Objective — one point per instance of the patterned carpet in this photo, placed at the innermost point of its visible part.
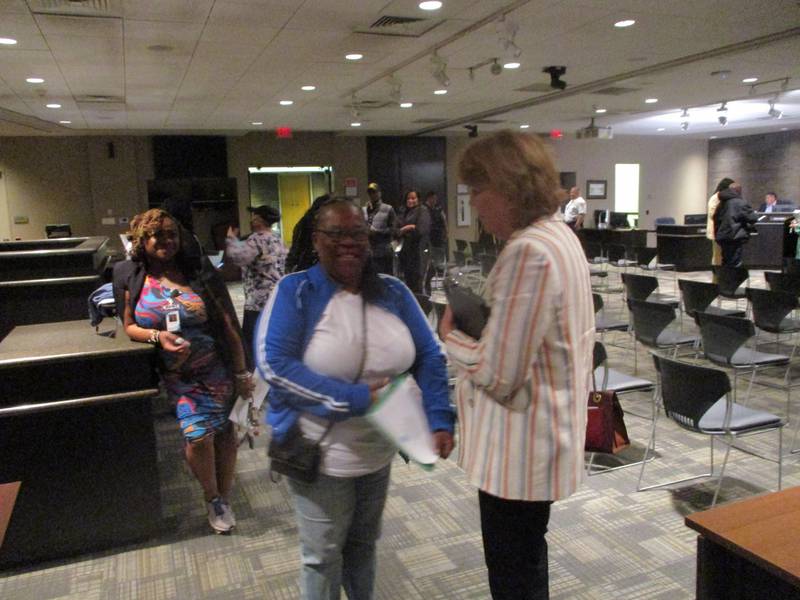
(607, 541)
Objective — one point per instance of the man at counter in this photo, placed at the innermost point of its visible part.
(575, 210)
(770, 203)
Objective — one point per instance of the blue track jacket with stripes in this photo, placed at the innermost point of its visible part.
(285, 328)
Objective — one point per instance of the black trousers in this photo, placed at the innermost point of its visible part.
(732, 252)
(515, 547)
(384, 264)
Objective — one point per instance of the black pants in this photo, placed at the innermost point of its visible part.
(248, 330)
(514, 547)
(732, 252)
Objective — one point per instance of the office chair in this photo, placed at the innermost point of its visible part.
(698, 400)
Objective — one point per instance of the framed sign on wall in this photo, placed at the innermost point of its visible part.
(595, 189)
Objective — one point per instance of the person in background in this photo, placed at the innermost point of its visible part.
(733, 221)
(164, 299)
(302, 255)
(438, 236)
(262, 257)
(522, 387)
(713, 203)
(770, 203)
(328, 339)
(382, 222)
(415, 228)
(575, 210)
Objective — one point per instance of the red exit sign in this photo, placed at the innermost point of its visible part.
(283, 132)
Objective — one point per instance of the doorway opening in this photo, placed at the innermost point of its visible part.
(290, 190)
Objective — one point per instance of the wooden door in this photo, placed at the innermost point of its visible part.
(294, 192)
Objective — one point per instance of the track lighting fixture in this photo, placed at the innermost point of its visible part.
(439, 69)
(774, 112)
(685, 125)
(555, 77)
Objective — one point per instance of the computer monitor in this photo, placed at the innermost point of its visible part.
(696, 219)
(619, 220)
(58, 230)
(599, 217)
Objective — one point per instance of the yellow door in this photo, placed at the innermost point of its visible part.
(294, 192)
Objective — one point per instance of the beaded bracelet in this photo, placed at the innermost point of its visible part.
(154, 337)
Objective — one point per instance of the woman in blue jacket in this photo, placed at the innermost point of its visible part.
(328, 339)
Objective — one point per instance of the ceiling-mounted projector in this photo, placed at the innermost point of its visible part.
(592, 132)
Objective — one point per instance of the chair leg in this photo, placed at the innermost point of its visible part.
(722, 471)
(750, 386)
(651, 443)
(780, 458)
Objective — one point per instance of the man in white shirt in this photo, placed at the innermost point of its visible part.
(575, 211)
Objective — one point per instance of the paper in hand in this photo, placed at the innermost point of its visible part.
(399, 415)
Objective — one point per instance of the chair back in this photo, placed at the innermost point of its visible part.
(592, 250)
(617, 252)
(783, 282)
(665, 221)
(639, 287)
(644, 255)
(697, 295)
(487, 263)
(600, 355)
(461, 245)
(597, 300)
(729, 279)
(475, 249)
(649, 320)
(459, 257)
(723, 336)
(770, 308)
(688, 391)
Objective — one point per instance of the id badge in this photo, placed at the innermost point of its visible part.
(173, 317)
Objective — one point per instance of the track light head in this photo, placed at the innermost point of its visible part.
(774, 112)
(723, 120)
(495, 69)
(473, 130)
(685, 125)
(555, 77)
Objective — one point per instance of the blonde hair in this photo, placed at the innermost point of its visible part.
(518, 166)
(143, 226)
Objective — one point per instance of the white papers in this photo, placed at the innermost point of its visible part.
(399, 415)
(240, 413)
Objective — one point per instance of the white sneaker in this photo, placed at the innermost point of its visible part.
(220, 519)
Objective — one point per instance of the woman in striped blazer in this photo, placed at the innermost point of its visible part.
(522, 386)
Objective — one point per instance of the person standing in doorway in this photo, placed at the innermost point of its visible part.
(262, 257)
(575, 210)
(382, 222)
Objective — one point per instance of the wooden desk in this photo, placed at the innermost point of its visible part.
(750, 549)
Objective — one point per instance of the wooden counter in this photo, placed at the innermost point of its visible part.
(750, 549)
(76, 431)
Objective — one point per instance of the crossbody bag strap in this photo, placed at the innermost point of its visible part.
(363, 359)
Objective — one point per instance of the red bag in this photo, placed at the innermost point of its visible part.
(605, 426)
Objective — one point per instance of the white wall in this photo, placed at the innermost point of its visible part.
(672, 177)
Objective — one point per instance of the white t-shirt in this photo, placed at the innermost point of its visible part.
(354, 447)
(575, 207)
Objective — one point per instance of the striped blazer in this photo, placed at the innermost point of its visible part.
(522, 388)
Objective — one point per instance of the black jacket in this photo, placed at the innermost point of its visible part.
(734, 219)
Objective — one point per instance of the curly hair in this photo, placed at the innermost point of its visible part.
(518, 166)
(143, 226)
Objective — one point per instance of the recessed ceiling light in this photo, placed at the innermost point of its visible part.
(440, 92)
(354, 56)
(430, 5)
(524, 126)
(355, 124)
(286, 102)
(406, 104)
(660, 129)
(7, 41)
(624, 23)
(35, 80)
(308, 88)
(511, 65)
(749, 79)
(65, 122)
(651, 100)
(713, 137)
(257, 123)
(784, 129)
(53, 105)
(600, 111)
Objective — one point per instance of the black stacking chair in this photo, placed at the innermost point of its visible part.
(730, 280)
(771, 312)
(606, 379)
(782, 282)
(643, 287)
(651, 328)
(602, 323)
(621, 256)
(461, 245)
(698, 399)
(698, 296)
(424, 303)
(724, 344)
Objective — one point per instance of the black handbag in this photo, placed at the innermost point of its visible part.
(297, 457)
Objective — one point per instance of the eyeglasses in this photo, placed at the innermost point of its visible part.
(338, 235)
(163, 234)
